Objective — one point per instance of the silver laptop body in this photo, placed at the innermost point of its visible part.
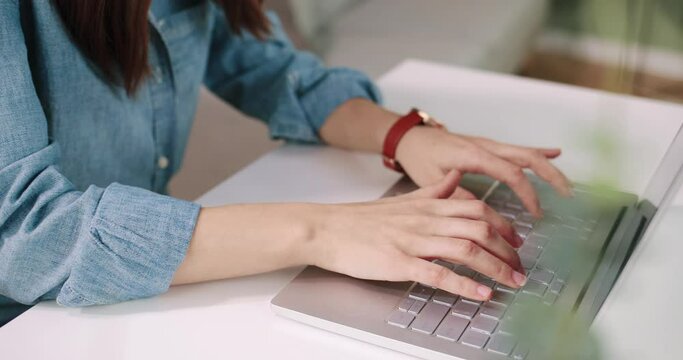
(606, 225)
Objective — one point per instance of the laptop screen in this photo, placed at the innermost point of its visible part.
(662, 182)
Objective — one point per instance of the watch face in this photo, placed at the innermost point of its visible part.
(429, 120)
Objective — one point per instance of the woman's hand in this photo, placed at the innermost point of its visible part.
(389, 239)
(393, 238)
(428, 153)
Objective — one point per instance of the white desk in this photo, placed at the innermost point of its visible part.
(232, 319)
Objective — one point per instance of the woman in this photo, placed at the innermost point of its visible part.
(97, 99)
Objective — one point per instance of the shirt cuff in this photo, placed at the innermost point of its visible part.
(337, 87)
(136, 241)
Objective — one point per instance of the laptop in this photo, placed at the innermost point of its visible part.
(573, 257)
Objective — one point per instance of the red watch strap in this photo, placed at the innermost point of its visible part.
(394, 136)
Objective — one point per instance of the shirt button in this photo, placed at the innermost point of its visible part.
(162, 162)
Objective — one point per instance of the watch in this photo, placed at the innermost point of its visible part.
(414, 118)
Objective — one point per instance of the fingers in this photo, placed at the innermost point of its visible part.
(462, 194)
(474, 210)
(550, 153)
(427, 176)
(469, 253)
(481, 233)
(546, 171)
(443, 278)
(537, 160)
(439, 190)
(510, 174)
(534, 158)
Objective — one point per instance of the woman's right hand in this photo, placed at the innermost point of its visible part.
(393, 238)
(388, 239)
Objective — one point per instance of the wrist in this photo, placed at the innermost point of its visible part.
(306, 227)
(238, 240)
(358, 124)
(415, 138)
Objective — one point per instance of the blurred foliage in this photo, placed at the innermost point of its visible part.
(674, 10)
(550, 330)
(621, 20)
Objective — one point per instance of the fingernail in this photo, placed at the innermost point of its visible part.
(484, 291)
(520, 269)
(518, 278)
(518, 240)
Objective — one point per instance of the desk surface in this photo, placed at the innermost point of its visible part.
(223, 318)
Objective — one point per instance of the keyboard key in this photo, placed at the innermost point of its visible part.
(474, 338)
(547, 262)
(569, 228)
(558, 247)
(465, 309)
(484, 280)
(529, 251)
(505, 327)
(542, 276)
(471, 301)
(509, 216)
(520, 352)
(526, 217)
(501, 344)
(492, 310)
(421, 292)
(514, 206)
(549, 298)
(527, 261)
(464, 271)
(443, 263)
(429, 318)
(444, 297)
(562, 275)
(400, 318)
(523, 231)
(534, 288)
(535, 240)
(546, 229)
(502, 297)
(556, 286)
(525, 300)
(416, 307)
(406, 304)
(484, 324)
(527, 225)
(451, 328)
(506, 289)
(573, 222)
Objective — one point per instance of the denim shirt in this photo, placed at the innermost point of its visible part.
(83, 166)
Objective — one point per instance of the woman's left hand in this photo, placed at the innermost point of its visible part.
(428, 153)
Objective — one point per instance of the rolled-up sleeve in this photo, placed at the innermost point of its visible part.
(290, 90)
(98, 246)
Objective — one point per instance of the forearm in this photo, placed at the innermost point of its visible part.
(358, 124)
(238, 240)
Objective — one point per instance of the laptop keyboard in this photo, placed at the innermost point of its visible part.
(487, 325)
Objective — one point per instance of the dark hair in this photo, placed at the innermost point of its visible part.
(114, 34)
